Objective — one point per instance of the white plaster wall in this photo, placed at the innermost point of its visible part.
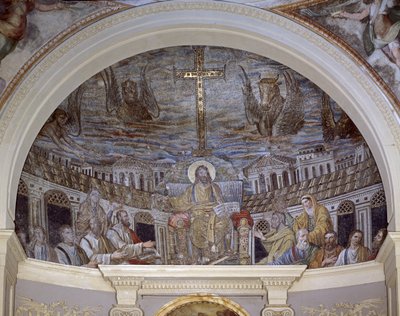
(329, 298)
(73, 297)
(160, 285)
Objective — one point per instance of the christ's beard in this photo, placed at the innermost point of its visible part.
(303, 245)
(376, 244)
(204, 180)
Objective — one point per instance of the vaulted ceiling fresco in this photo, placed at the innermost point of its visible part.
(200, 155)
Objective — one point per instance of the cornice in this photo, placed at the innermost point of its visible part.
(57, 274)
(11, 252)
(166, 287)
(126, 281)
(350, 275)
(168, 280)
(173, 272)
(278, 281)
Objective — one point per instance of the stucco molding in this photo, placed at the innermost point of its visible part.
(120, 310)
(222, 286)
(167, 280)
(350, 275)
(277, 289)
(389, 256)
(126, 281)
(280, 310)
(284, 282)
(56, 274)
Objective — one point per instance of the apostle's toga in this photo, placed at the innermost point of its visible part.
(350, 256)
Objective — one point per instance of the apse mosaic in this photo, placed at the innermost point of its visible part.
(200, 156)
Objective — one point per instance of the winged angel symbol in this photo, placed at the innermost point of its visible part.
(65, 124)
(274, 115)
(336, 129)
(131, 104)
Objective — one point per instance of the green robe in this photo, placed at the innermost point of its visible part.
(277, 243)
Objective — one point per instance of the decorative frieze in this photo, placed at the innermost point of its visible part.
(31, 307)
(214, 285)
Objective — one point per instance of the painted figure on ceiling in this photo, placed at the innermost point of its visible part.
(226, 312)
(13, 23)
(382, 29)
(274, 115)
(135, 103)
(315, 218)
(355, 252)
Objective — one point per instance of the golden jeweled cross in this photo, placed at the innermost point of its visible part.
(199, 74)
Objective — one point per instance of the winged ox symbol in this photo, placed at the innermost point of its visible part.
(274, 115)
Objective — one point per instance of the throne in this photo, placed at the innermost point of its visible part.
(182, 232)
